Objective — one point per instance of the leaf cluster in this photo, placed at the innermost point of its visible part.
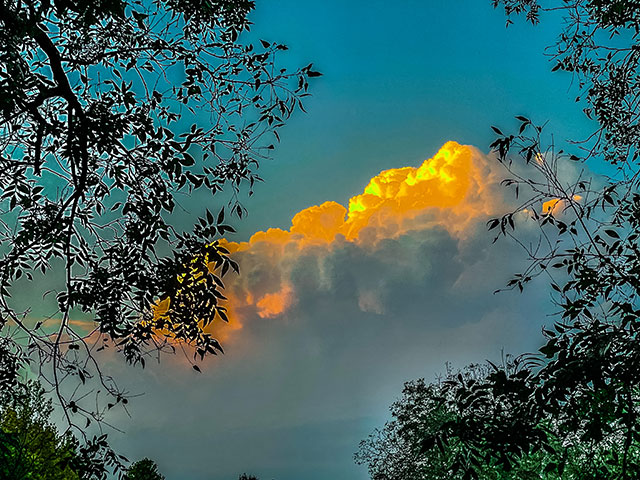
(570, 409)
(32, 447)
(111, 112)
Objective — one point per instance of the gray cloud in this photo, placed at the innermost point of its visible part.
(303, 380)
(295, 393)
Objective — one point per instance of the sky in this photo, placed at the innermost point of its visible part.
(328, 322)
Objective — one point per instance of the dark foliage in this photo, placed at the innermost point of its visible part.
(109, 112)
(599, 47)
(575, 403)
(144, 469)
(411, 446)
(582, 387)
(32, 447)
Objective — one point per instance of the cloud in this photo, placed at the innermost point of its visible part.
(330, 317)
(394, 234)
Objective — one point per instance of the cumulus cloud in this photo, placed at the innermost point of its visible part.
(399, 235)
(331, 316)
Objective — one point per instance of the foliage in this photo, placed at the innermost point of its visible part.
(599, 46)
(574, 405)
(244, 476)
(581, 389)
(144, 469)
(410, 447)
(394, 452)
(32, 448)
(109, 112)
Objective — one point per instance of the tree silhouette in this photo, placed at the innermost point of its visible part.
(577, 399)
(402, 449)
(109, 112)
(144, 469)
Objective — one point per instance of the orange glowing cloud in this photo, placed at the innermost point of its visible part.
(456, 186)
(455, 179)
(556, 205)
(551, 206)
(273, 304)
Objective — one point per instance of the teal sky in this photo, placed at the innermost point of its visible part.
(293, 397)
(399, 81)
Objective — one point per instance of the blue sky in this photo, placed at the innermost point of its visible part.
(398, 82)
(293, 395)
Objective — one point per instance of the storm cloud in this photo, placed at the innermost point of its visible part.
(328, 323)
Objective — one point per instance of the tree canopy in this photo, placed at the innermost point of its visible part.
(144, 469)
(576, 401)
(405, 448)
(110, 112)
(31, 446)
